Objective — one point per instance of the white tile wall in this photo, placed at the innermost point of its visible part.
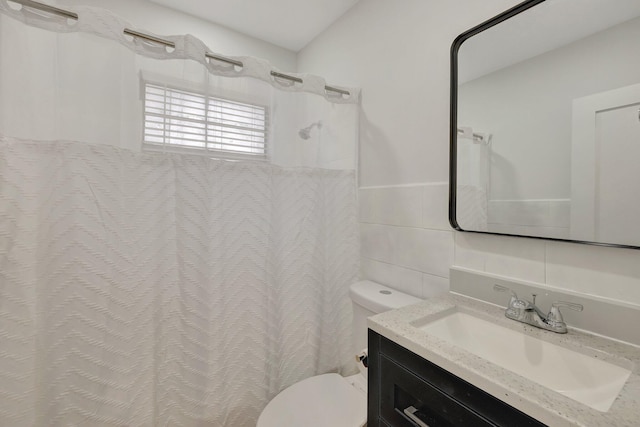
(406, 239)
(429, 251)
(506, 256)
(611, 273)
(595, 270)
(408, 244)
(377, 243)
(435, 206)
(392, 205)
(400, 278)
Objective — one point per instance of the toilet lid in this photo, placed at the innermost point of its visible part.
(323, 401)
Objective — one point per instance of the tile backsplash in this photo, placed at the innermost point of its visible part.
(408, 244)
(599, 315)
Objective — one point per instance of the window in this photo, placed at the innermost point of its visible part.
(177, 119)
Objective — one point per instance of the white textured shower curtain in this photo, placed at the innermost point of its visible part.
(472, 184)
(165, 290)
(147, 289)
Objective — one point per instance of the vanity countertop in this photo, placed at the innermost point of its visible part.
(529, 397)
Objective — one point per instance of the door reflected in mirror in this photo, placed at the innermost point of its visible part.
(546, 129)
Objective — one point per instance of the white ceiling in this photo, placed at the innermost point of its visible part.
(290, 24)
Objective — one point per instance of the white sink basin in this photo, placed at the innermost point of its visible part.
(588, 380)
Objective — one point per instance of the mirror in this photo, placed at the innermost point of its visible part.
(545, 123)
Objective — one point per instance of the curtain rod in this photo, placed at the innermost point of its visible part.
(46, 8)
(154, 39)
(232, 61)
(273, 73)
(479, 137)
(286, 77)
(148, 37)
(223, 59)
(299, 80)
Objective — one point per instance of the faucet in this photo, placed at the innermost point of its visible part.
(527, 312)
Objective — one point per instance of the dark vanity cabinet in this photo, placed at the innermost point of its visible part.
(408, 390)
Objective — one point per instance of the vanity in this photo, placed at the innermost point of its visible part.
(424, 370)
(410, 388)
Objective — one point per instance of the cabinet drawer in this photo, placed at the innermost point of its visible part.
(401, 389)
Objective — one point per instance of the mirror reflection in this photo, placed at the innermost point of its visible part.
(548, 124)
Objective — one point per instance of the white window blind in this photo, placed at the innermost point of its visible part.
(182, 120)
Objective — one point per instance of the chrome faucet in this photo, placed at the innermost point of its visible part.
(527, 312)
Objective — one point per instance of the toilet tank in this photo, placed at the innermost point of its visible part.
(369, 298)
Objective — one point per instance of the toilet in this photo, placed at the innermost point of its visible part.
(331, 400)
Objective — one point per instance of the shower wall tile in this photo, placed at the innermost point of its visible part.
(502, 255)
(376, 242)
(394, 276)
(429, 251)
(435, 206)
(400, 206)
(406, 240)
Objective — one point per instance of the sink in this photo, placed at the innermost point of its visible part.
(583, 378)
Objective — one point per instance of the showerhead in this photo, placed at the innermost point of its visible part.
(306, 132)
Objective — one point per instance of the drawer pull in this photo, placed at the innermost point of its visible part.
(410, 412)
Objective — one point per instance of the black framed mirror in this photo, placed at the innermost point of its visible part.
(545, 123)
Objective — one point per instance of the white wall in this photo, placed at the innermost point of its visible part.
(398, 52)
(164, 21)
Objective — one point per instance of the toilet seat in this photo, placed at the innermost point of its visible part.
(322, 401)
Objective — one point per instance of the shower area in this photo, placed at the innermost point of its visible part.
(178, 227)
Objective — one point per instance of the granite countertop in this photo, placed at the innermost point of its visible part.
(547, 406)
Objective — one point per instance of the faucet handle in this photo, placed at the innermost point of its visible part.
(514, 302)
(556, 316)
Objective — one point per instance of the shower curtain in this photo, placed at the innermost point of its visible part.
(148, 288)
(473, 184)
